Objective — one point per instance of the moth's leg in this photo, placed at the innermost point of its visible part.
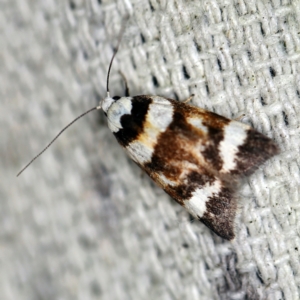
(239, 118)
(126, 84)
(188, 99)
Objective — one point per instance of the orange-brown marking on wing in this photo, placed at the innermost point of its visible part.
(181, 153)
(183, 147)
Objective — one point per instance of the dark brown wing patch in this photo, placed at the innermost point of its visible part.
(256, 149)
(220, 214)
(133, 123)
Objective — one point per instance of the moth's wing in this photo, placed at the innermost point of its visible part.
(172, 148)
(192, 154)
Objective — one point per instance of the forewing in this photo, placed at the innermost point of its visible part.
(193, 154)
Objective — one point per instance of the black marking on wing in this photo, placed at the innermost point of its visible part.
(211, 151)
(256, 149)
(220, 213)
(133, 123)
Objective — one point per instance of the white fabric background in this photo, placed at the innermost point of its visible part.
(83, 222)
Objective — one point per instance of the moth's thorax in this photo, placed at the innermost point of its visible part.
(115, 108)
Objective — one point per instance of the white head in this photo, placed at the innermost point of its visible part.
(114, 108)
(106, 103)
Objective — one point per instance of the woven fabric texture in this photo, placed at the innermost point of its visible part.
(83, 222)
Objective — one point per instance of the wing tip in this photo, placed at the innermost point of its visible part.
(255, 151)
(220, 214)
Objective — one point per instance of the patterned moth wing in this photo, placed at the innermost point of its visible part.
(193, 154)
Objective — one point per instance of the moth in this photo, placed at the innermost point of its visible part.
(194, 155)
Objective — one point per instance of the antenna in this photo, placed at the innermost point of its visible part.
(94, 108)
(115, 52)
(56, 137)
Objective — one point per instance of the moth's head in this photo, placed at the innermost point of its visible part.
(115, 109)
(106, 103)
